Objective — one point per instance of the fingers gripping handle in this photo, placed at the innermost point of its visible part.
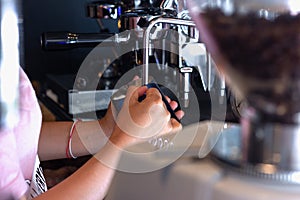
(154, 85)
(118, 101)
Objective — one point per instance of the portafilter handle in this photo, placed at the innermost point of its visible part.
(63, 40)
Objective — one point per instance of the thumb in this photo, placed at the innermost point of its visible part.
(135, 92)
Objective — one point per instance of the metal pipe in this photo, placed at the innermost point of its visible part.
(145, 69)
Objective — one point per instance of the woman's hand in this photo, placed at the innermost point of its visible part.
(138, 121)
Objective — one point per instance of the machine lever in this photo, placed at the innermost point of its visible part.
(67, 40)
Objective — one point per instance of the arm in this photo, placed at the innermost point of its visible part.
(93, 179)
(54, 137)
(92, 135)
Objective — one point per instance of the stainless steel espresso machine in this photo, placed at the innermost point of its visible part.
(155, 40)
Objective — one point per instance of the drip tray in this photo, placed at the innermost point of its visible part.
(59, 89)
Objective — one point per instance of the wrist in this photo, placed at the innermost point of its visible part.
(121, 138)
(107, 123)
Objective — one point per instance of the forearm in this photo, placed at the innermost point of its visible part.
(88, 138)
(53, 140)
(93, 179)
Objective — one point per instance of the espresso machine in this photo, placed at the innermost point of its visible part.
(156, 40)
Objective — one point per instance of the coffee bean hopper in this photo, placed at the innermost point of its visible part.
(255, 44)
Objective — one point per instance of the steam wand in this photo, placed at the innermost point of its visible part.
(145, 70)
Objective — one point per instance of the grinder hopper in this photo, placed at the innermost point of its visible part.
(256, 45)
